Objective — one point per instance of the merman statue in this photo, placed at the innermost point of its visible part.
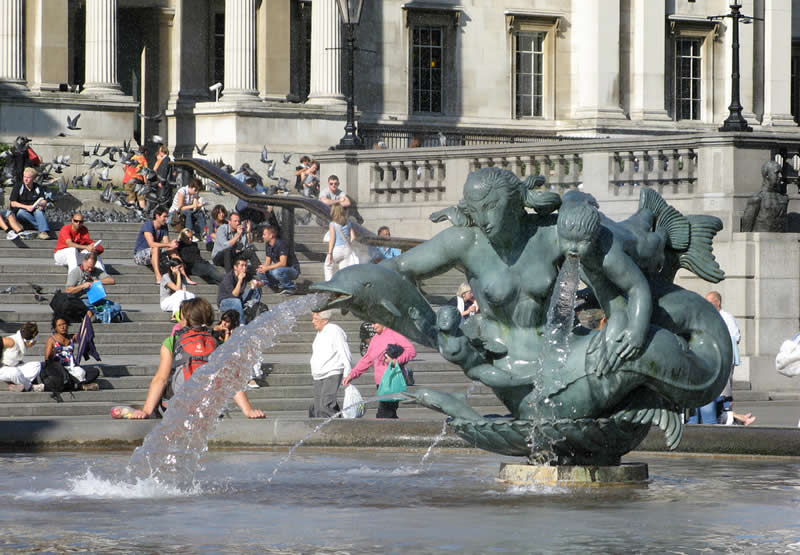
(662, 349)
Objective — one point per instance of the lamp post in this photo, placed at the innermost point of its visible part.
(350, 10)
(735, 121)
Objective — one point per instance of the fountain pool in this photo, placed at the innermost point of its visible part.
(381, 501)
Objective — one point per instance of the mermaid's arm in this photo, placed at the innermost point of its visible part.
(435, 256)
(623, 272)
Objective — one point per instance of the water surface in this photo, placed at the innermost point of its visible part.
(372, 501)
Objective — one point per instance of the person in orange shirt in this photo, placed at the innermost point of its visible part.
(133, 177)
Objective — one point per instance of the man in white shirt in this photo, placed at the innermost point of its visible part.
(713, 412)
(330, 358)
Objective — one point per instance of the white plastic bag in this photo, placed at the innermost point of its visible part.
(787, 362)
(354, 406)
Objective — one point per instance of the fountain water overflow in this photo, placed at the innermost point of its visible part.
(171, 451)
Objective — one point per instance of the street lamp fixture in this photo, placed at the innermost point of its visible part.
(735, 120)
(350, 10)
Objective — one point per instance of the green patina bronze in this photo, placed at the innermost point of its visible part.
(663, 349)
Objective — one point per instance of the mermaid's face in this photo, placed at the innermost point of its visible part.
(487, 207)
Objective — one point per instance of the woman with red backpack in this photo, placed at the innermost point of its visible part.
(197, 315)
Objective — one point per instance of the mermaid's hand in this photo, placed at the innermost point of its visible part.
(628, 344)
(596, 355)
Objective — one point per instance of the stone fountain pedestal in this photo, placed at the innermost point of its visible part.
(625, 474)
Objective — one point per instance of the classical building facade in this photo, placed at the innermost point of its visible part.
(472, 70)
(604, 95)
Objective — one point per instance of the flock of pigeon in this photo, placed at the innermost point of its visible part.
(104, 159)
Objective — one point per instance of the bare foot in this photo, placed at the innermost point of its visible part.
(158, 280)
(190, 282)
(748, 419)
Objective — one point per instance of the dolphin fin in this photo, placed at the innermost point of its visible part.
(391, 308)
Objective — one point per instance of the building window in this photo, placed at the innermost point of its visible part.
(529, 74)
(688, 78)
(219, 48)
(427, 49)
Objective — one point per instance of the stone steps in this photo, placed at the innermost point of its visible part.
(130, 350)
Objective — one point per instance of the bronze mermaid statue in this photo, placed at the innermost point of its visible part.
(664, 348)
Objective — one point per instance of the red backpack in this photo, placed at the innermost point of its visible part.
(191, 350)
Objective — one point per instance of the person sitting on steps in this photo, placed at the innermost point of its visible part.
(18, 374)
(74, 242)
(28, 200)
(231, 243)
(152, 241)
(60, 347)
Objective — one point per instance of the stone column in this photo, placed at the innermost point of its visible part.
(326, 54)
(101, 48)
(240, 50)
(777, 62)
(647, 74)
(12, 44)
(596, 45)
(47, 38)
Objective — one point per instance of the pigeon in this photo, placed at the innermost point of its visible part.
(201, 151)
(106, 195)
(106, 150)
(5, 154)
(104, 174)
(86, 180)
(85, 153)
(39, 298)
(156, 118)
(8, 290)
(287, 157)
(72, 123)
(96, 150)
(211, 187)
(442, 139)
(271, 171)
(158, 139)
(282, 182)
(62, 186)
(264, 156)
(36, 288)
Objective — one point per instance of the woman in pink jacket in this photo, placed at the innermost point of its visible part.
(377, 358)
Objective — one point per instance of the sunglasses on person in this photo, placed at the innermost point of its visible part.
(77, 221)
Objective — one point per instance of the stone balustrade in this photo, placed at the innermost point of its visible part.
(709, 173)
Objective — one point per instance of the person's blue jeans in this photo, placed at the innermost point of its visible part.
(282, 277)
(196, 221)
(35, 219)
(237, 304)
(707, 414)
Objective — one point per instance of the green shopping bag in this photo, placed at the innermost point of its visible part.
(392, 383)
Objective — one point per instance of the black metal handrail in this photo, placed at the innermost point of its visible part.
(317, 208)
